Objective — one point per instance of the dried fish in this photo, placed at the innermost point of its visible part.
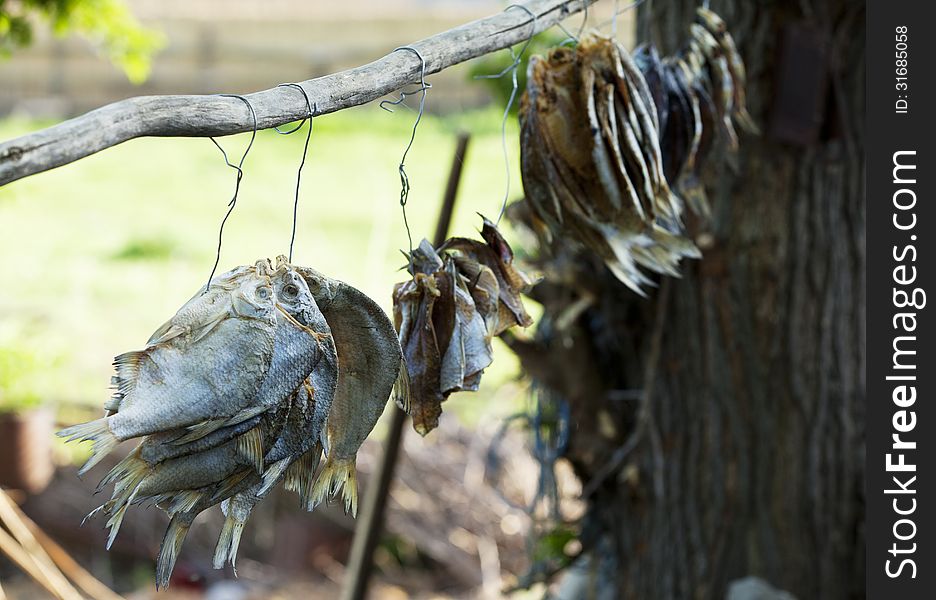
(592, 161)
(176, 381)
(424, 315)
(461, 295)
(303, 352)
(370, 370)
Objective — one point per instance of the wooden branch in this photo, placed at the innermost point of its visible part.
(88, 583)
(31, 547)
(24, 561)
(201, 115)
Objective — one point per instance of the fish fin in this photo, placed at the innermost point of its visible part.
(300, 476)
(246, 414)
(128, 476)
(184, 501)
(744, 119)
(272, 476)
(98, 433)
(113, 523)
(402, 393)
(130, 468)
(325, 441)
(693, 191)
(250, 447)
(205, 328)
(91, 514)
(168, 331)
(675, 244)
(224, 542)
(112, 404)
(169, 550)
(224, 488)
(127, 368)
(337, 475)
(200, 430)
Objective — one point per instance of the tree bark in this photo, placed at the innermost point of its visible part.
(750, 459)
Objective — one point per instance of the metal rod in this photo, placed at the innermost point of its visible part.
(370, 526)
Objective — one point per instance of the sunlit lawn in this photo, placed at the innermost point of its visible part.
(97, 254)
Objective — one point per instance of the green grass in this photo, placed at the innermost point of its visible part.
(99, 253)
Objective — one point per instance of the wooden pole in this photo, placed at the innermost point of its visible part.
(370, 526)
(216, 115)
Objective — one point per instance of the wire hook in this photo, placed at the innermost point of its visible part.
(512, 69)
(305, 151)
(404, 178)
(240, 175)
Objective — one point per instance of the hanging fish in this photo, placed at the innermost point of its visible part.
(303, 352)
(177, 380)
(424, 317)
(475, 259)
(371, 368)
(461, 295)
(591, 160)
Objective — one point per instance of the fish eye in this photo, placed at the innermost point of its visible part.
(263, 292)
(291, 290)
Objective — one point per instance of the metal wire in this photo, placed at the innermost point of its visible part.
(404, 178)
(305, 151)
(574, 38)
(613, 20)
(240, 175)
(512, 69)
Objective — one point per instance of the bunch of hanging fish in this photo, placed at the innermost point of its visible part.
(461, 295)
(611, 144)
(253, 379)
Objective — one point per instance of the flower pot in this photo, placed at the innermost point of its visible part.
(26, 450)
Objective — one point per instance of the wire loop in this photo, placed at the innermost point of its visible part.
(240, 175)
(404, 178)
(305, 150)
(512, 69)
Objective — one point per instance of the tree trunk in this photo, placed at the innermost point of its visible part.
(750, 457)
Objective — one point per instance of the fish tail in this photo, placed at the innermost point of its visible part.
(402, 394)
(228, 542)
(124, 492)
(337, 475)
(98, 433)
(169, 549)
(127, 473)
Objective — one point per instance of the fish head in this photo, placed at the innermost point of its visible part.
(294, 297)
(425, 258)
(323, 289)
(254, 298)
